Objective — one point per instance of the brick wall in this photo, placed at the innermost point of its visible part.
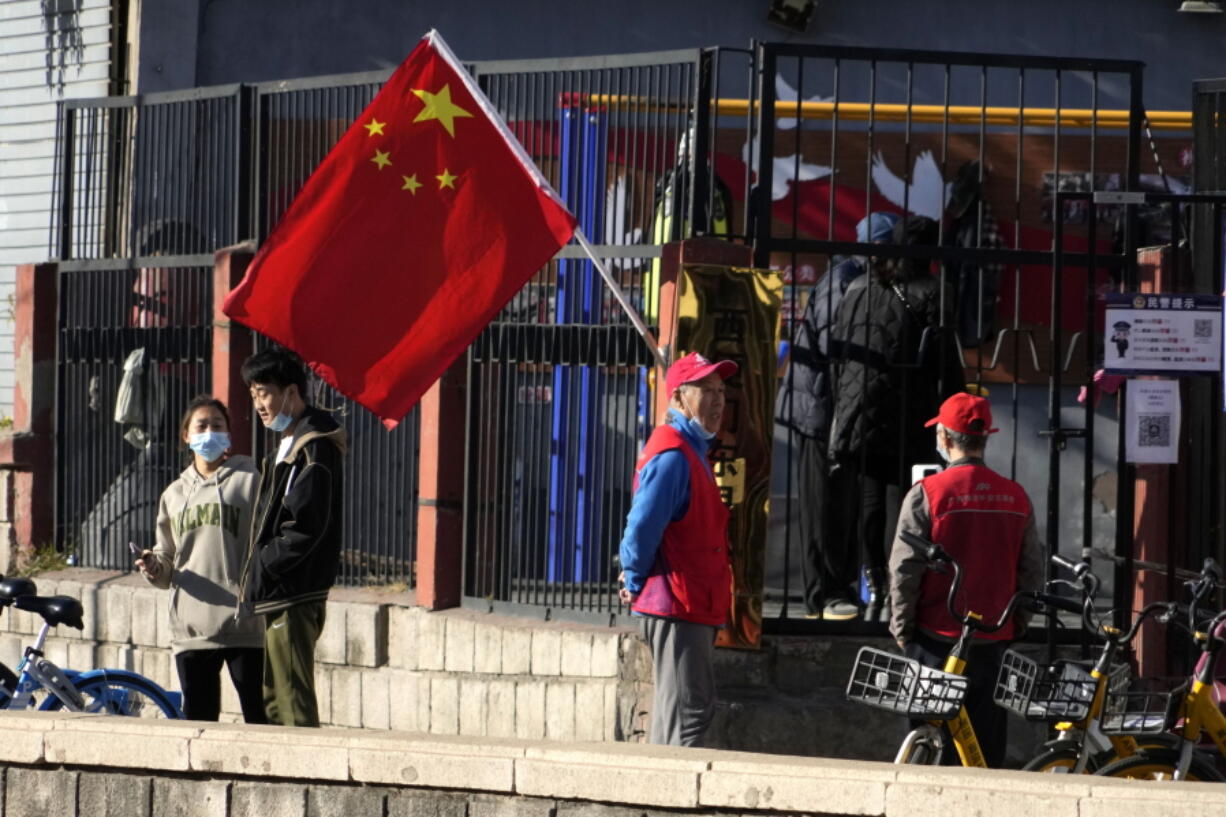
(384, 664)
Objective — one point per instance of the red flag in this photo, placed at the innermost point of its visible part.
(415, 230)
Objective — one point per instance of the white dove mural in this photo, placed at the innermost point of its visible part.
(787, 170)
(786, 93)
(926, 195)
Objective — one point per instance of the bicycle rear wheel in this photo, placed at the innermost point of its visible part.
(124, 694)
(1159, 764)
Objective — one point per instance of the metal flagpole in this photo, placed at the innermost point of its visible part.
(635, 317)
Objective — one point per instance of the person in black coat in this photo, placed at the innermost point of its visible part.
(895, 363)
(829, 558)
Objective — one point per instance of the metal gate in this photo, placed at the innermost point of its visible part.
(1022, 272)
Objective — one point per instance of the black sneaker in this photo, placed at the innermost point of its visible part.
(840, 610)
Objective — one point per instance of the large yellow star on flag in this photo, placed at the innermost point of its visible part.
(446, 180)
(439, 106)
(411, 184)
(374, 127)
(382, 158)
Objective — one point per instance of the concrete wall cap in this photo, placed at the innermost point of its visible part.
(621, 755)
(410, 742)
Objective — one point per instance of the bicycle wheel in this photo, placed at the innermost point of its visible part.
(922, 754)
(122, 694)
(1145, 743)
(1058, 760)
(1159, 764)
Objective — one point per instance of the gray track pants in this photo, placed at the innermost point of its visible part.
(684, 700)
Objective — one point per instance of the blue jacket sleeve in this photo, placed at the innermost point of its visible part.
(663, 496)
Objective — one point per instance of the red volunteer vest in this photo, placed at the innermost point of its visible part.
(691, 579)
(979, 517)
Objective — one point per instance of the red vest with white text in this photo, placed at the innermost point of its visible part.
(979, 517)
(691, 579)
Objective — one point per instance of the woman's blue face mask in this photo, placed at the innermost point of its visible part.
(210, 445)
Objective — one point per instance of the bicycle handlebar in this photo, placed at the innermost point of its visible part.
(1060, 603)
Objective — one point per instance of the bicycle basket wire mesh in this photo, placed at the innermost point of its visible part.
(1144, 711)
(1062, 691)
(903, 685)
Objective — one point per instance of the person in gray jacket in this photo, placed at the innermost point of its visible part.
(203, 524)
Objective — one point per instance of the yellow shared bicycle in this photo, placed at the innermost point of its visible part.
(1071, 694)
(903, 685)
(1192, 709)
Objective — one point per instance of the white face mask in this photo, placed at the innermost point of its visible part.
(696, 426)
(282, 420)
(942, 452)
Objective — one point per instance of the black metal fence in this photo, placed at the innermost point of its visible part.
(784, 146)
(142, 187)
(560, 396)
(982, 144)
(148, 188)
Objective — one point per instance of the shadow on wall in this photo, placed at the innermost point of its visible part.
(62, 35)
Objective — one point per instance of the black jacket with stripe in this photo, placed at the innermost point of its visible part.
(296, 528)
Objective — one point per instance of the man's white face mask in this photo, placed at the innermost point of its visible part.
(942, 451)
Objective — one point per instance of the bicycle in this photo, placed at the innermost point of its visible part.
(107, 691)
(902, 685)
(1072, 697)
(1188, 710)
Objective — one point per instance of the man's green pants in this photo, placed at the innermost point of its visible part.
(289, 664)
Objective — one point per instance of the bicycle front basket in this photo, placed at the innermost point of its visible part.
(1140, 712)
(905, 686)
(1060, 692)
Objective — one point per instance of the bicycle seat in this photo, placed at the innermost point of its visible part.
(55, 610)
(12, 588)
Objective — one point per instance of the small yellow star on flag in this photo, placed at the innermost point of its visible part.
(382, 158)
(374, 127)
(446, 180)
(439, 106)
(411, 184)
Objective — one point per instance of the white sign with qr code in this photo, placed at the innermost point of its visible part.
(1152, 421)
(1162, 334)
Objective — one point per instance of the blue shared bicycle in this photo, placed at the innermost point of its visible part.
(39, 684)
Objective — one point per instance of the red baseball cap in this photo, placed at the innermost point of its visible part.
(695, 367)
(962, 411)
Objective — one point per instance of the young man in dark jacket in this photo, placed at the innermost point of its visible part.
(295, 535)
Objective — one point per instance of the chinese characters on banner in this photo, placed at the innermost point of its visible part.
(1151, 430)
(733, 313)
(1162, 334)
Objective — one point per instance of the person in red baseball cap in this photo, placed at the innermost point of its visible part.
(985, 521)
(674, 555)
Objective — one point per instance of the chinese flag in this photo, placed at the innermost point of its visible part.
(415, 230)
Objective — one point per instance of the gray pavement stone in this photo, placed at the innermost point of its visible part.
(268, 800)
(39, 792)
(114, 795)
(174, 797)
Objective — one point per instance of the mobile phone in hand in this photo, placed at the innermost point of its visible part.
(135, 550)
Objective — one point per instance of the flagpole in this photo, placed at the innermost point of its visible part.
(631, 312)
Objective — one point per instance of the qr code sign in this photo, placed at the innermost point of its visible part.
(1154, 430)
(1202, 328)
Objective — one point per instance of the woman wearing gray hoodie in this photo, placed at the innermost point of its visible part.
(204, 520)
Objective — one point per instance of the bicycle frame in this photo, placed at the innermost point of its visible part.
(961, 732)
(31, 678)
(1094, 740)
